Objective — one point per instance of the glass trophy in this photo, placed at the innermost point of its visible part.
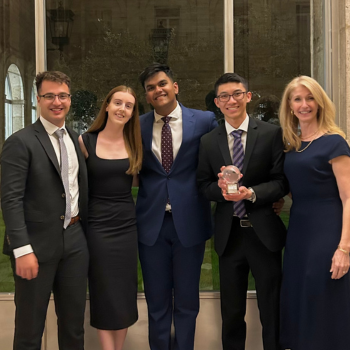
(232, 175)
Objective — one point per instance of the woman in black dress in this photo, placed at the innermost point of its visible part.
(315, 296)
(113, 151)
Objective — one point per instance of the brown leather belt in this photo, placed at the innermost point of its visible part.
(74, 220)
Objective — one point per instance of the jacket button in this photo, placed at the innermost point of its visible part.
(62, 217)
(63, 195)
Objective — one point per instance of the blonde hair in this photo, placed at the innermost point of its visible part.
(131, 131)
(325, 114)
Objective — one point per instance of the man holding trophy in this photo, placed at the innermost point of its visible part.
(248, 155)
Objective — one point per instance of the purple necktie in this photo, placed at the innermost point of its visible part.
(238, 159)
(166, 145)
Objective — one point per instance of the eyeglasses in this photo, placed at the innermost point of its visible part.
(50, 97)
(236, 95)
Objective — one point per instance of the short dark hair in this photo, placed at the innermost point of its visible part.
(153, 69)
(55, 76)
(230, 78)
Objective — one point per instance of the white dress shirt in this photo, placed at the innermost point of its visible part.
(230, 141)
(175, 124)
(230, 138)
(73, 170)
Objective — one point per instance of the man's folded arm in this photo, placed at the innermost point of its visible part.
(207, 180)
(277, 187)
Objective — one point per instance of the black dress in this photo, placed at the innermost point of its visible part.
(315, 309)
(112, 241)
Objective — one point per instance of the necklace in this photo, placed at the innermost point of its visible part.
(308, 137)
(306, 147)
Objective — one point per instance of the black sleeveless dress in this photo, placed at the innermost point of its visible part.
(112, 241)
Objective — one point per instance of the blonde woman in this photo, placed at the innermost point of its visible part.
(315, 296)
(113, 152)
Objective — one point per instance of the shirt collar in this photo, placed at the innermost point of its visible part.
(176, 114)
(243, 126)
(51, 128)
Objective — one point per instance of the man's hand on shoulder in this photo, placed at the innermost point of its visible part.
(27, 266)
(278, 206)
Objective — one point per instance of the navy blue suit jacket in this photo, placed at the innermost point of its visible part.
(190, 210)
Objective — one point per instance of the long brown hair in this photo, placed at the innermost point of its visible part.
(131, 131)
(325, 115)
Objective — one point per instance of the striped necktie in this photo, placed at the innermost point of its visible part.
(237, 160)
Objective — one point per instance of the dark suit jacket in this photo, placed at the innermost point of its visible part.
(262, 170)
(32, 192)
(190, 210)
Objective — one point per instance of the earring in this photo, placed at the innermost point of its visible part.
(291, 112)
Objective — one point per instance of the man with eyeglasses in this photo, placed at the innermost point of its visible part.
(44, 206)
(249, 236)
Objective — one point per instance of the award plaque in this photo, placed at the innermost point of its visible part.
(232, 175)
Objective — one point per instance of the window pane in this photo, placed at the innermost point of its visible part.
(15, 120)
(103, 46)
(34, 102)
(271, 46)
(111, 42)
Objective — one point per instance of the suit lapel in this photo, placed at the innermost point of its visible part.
(250, 143)
(147, 130)
(188, 124)
(223, 144)
(147, 136)
(45, 141)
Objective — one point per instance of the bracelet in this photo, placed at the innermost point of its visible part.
(343, 250)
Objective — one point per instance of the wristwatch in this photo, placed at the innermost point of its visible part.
(252, 198)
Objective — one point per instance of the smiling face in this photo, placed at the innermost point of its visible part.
(161, 93)
(303, 104)
(233, 110)
(54, 111)
(120, 108)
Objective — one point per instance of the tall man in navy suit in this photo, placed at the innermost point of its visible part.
(174, 220)
(44, 204)
(248, 234)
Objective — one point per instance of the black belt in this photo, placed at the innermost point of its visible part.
(244, 222)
